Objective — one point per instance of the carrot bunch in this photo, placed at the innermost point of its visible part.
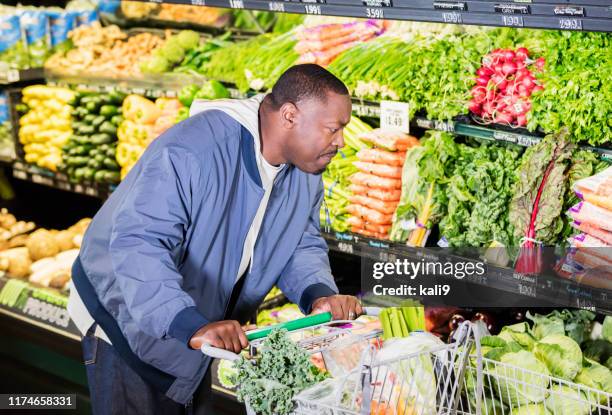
(376, 187)
(321, 44)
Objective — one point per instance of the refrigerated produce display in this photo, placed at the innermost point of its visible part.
(481, 135)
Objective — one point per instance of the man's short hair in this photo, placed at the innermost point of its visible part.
(305, 81)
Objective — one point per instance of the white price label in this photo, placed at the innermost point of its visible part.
(90, 191)
(451, 17)
(528, 290)
(513, 21)
(198, 2)
(78, 188)
(139, 91)
(63, 186)
(38, 179)
(570, 24)
(395, 116)
(374, 13)
(20, 174)
(275, 6)
(345, 247)
(236, 4)
(12, 75)
(312, 9)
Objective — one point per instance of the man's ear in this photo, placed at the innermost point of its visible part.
(288, 115)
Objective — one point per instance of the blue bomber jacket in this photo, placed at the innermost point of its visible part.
(160, 258)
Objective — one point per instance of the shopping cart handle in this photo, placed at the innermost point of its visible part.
(218, 353)
(371, 311)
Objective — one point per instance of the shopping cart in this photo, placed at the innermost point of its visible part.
(426, 382)
(494, 388)
(315, 334)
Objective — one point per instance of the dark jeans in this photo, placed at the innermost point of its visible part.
(115, 389)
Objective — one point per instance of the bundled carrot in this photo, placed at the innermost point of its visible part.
(369, 215)
(368, 233)
(321, 44)
(387, 207)
(378, 156)
(359, 223)
(380, 194)
(381, 170)
(376, 182)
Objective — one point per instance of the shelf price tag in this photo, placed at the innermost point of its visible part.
(236, 4)
(346, 247)
(375, 13)
(312, 9)
(513, 21)
(12, 75)
(38, 179)
(198, 2)
(275, 6)
(566, 23)
(395, 116)
(20, 174)
(451, 17)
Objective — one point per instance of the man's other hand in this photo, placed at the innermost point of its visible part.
(225, 334)
(342, 307)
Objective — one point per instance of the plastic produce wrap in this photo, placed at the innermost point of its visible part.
(62, 22)
(7, 146)
(13, 50)
(35, 24)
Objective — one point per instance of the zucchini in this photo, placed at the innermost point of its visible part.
(117, 119)
(101, 138)
(77, 161)
(92, 107)
(99, 176)
(111, 164)
(86, 129)
(116, 97)
(89, 173)
(112, 176)
(109, 110)
(108, 128)
(98, 120)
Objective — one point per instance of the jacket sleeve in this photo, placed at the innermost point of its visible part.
(307, 276)
(147, 234)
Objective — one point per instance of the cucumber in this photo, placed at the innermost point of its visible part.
(92, 163)
(101, 138)
(111, 164)
(77, 161)
(98, 120)
(99, 158)
(86, 129)
(99, 176)
(112, 176)
(109, 111)
(111, 152)
(79, 173)
(89, 118)
(116, 97)
(89, 173)
(117, 119)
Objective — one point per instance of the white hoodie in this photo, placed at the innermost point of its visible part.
(246, 112)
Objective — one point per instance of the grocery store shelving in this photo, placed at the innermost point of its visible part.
(538, 289)
(13, 76)
(37, 175)
(587, 15)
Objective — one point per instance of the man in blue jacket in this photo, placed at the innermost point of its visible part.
(218, 210)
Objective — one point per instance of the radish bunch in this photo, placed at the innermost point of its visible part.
(504, 84)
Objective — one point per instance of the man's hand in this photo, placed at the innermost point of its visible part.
(225, 334)
(342, 307)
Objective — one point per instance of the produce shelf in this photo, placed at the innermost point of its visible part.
(536, 290)
(587, 15)
(153, 86)
(60, 181)
(463, 125)
(14, 76)
(42, 307)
